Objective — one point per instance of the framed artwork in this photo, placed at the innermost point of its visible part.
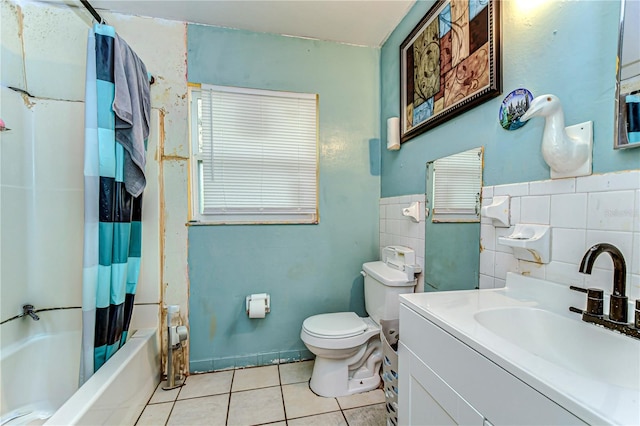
(449, 63)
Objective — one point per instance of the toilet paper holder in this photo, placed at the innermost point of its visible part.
(264, 296)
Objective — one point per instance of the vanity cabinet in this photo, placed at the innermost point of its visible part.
(442, 381)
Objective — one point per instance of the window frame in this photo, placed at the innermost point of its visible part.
(447, 209)
(196, 187)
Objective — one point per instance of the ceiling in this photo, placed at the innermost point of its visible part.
(360, 22)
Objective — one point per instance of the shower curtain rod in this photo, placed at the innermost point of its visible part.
(101, 20)
(93, 12)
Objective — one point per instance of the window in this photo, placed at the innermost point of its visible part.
(457, 182)
(254, 156)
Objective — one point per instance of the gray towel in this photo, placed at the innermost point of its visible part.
(132, 106)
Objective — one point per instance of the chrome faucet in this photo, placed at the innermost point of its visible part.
(618, 300)
(28, 310)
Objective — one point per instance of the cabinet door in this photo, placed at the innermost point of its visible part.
(496, 393)
(425, 399)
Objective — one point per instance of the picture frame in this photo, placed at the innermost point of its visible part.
(449, 64)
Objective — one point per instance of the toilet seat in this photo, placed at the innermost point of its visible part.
(337, 325)
(341, 339)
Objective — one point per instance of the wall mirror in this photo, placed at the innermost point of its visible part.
(452, 222)
(627, 102)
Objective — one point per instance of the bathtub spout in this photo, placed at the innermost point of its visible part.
(28, 310)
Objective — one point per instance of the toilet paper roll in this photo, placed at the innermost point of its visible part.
(393, 134)
(256, 308)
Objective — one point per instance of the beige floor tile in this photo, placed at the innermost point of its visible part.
(208, 410)
(328, 419)
(295, 372)
(161, 395)
(255, 378)
(206, 384)
(375, 396)
(372, 415)
(256, 406)
(282, 423)
(155, 414)
(299, 401)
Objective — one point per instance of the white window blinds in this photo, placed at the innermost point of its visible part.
(257, 156)
(457, 182)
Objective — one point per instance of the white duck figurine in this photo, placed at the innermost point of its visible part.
(563, 153)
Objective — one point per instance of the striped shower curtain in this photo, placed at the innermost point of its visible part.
(112, 229)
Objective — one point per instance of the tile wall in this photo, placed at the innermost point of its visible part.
(399, 230)
(581, 212)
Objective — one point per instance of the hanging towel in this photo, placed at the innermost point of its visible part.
(132, 107)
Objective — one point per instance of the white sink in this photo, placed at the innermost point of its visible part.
(527, 329)
(586, 349)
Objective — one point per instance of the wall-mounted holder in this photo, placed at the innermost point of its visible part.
(258, 305)
(567, 150)
(498, 211)
(413, 211)
(393, 134)
(530, 242)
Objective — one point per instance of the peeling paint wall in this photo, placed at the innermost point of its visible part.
(43, 51)
(307, 269)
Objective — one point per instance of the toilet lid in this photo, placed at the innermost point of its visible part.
(334, 326)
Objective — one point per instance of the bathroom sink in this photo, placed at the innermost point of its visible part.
(526, 329)
(572, 344)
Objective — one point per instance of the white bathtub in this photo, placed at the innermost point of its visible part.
(39, 375)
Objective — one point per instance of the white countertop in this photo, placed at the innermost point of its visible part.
(582, 387)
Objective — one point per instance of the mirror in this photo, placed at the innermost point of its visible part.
(452, 222)
(627, 102)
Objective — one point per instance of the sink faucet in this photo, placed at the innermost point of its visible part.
(618, 300)
(28, 310)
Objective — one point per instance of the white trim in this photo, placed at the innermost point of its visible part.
(230, 214)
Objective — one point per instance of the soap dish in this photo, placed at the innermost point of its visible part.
(529, 242)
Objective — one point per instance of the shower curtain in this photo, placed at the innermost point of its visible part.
(113, 228)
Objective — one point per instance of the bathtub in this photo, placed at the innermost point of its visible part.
(39, 375)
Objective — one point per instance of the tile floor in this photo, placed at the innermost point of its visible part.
(275, 395)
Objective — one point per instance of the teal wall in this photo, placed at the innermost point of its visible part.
(307, 269)
(566, 48)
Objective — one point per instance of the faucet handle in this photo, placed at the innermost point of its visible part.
(595, 298)
(618, 306)
(637, 315)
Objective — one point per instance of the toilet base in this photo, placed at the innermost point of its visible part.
(359, 373)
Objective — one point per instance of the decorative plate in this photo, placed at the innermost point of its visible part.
(513, 107)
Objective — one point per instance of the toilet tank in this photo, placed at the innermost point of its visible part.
(385, 280)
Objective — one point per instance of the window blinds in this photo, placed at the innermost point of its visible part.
(457, 182)
(258, 154)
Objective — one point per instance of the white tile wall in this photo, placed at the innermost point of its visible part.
(532, 269)
(396, 229)
(636, 209)
(569, 211)
(611, 210)
(535, 209)
(582, 212)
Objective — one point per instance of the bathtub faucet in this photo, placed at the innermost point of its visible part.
(28, 310)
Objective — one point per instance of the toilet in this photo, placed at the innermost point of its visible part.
(347, 347)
